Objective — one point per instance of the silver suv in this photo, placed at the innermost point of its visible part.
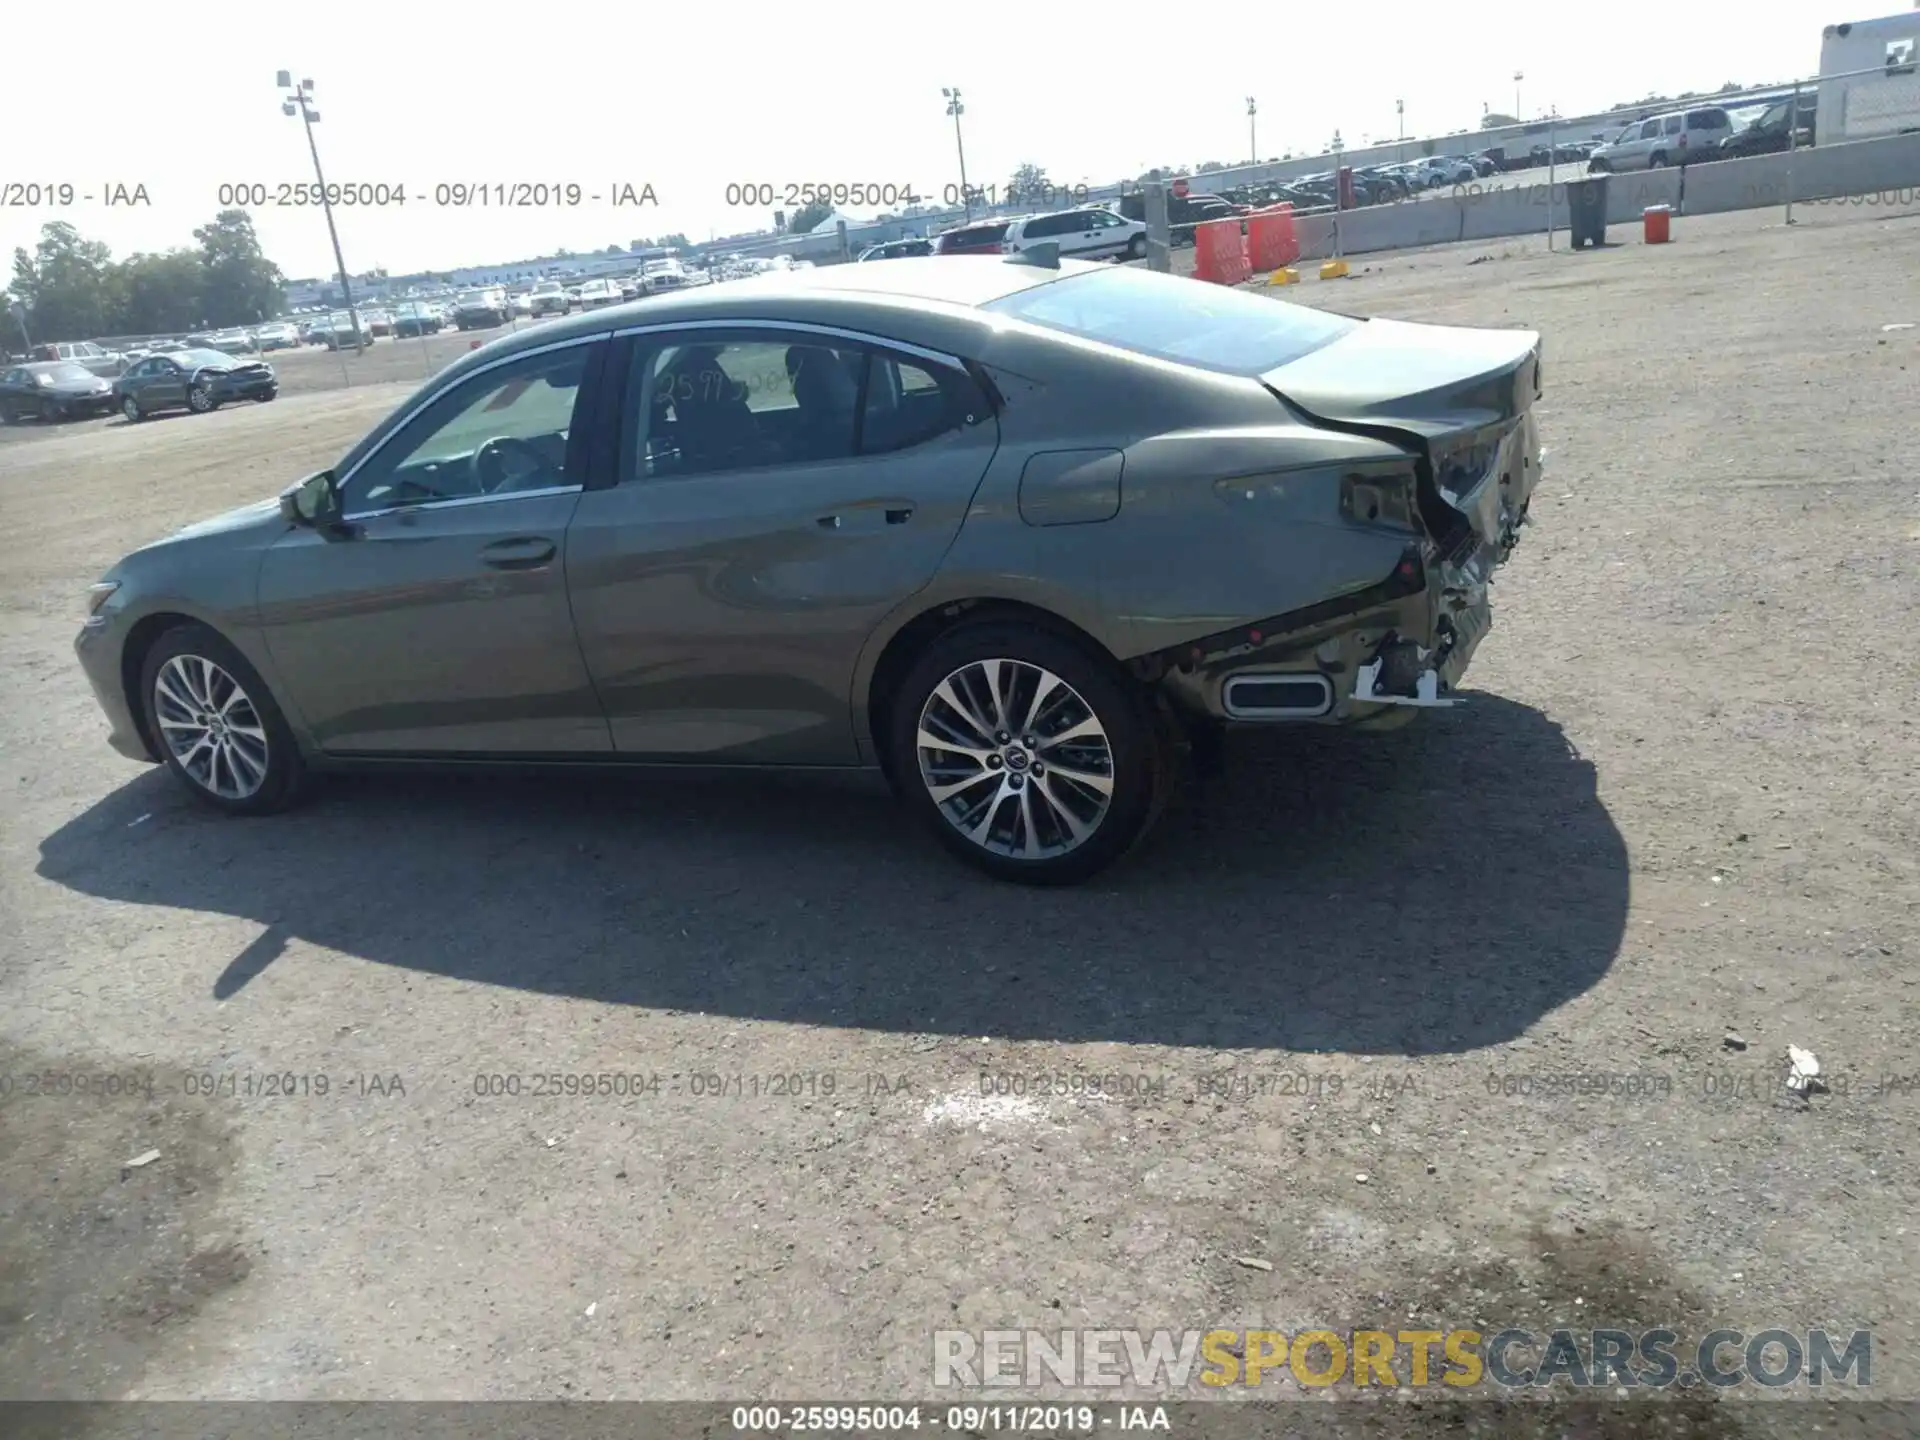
(1671, 139)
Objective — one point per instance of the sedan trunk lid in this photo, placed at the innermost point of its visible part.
(1460, 398)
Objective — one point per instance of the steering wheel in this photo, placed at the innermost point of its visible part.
(493, 467)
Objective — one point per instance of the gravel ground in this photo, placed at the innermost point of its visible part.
(1679, 804)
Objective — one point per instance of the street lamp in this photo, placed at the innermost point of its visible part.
(300, 102)
(1517, 78)
(1253, 140)
(1400, 113)
(956, 110)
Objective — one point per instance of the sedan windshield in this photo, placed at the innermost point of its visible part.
(1177, 319)
(66, 370)
(201, 357)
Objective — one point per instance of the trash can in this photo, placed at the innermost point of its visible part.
(1587, 211)
(1657, 221)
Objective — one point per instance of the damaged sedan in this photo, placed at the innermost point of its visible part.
(1012, 532)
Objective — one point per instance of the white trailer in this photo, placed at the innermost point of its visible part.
(1884, 101)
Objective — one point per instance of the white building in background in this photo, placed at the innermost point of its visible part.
(1884, 102)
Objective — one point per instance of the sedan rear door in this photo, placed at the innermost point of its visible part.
(755, 524)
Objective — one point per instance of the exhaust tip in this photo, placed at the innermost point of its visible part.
(1276, 697)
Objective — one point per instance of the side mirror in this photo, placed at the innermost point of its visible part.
(313, 502)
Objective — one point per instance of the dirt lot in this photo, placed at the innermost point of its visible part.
(1681, 803)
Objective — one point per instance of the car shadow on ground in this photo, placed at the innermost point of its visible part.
(1431, 890)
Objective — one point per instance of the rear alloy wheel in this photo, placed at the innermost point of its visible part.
(130, 408)
(200, 397)
(217, 728)
(1030, 759)
(50, 413)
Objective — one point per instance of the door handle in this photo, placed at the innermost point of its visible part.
(527, 553)
(864, 516)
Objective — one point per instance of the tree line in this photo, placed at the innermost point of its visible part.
(71, 288)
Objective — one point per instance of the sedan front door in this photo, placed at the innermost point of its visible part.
(760, 522)
(163, 387)
(435, 621)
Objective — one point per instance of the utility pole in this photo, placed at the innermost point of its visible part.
(956, 110)
(1400, 146)
(1253, 138)
(1517, 78)
(300, 102)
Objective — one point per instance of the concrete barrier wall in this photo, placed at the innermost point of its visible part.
(1885, 170)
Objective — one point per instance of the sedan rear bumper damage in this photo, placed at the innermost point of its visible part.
(1402, 643)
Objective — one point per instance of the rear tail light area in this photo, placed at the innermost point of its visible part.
(1390, 501)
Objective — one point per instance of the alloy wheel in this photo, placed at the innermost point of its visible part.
(1015, 759)
(130, 407)
(199, 398)
(211, 727)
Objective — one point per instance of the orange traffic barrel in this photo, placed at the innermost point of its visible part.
(1658, 220)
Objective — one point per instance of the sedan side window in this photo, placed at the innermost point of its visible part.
(501, 432)
(909, 403)
(704, 406)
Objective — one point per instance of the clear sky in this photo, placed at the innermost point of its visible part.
(687, 98)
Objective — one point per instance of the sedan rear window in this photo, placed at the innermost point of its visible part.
(1186, 321)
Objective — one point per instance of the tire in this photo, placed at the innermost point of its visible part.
(50, 413)
(1136, 247)
(200, 398)
(130, 408)
(1078, 830)
(1657, 160)
(256, 768)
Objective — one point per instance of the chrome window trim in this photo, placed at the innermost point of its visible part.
(462, 501)
(414, 414)
(862, 337)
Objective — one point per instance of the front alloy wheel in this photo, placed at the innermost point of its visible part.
(130, 408)
(211, 727)
(216, 726)
(199, 398)
(1031, 759)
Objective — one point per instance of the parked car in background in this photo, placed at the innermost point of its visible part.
(99, 360)
(378, 321)
(415, 319)
(481, 309)
(980, 237)
(1769, 132)
(598, 294)
(1675, 138)
(53, 390)
(337, 332)
(196, 380)
(1091, 232)
(1313, 504)
(281, 335)
(897, 249)
(659, 276)
(232, 342)
(521, 303)
(549, 297)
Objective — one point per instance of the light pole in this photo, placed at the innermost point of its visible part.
(1253, 137)
(1400, 113)
(956, 110)
(300, 102)
(1517, 78)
